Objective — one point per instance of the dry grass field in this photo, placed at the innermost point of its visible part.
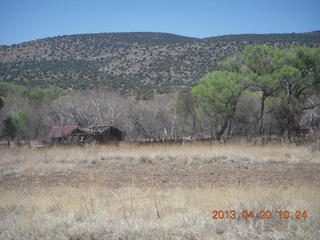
(159, 192)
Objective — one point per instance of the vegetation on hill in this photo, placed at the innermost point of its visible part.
(128, 62)
(260, 90)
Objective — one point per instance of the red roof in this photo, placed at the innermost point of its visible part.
(61, 131)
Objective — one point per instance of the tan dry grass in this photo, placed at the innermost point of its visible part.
(67, 158)
(92, 211)
(133, 213)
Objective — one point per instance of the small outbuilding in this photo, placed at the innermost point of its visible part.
(68, 134)
(104, 134)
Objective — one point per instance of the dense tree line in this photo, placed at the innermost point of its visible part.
(287, 81)
(260, 91)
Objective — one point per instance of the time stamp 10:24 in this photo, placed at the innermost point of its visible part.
(262, 214)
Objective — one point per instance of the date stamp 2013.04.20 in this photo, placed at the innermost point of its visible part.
(259, 214)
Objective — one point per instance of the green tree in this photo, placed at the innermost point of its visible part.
(9, 88)
(18, 126)
(9, 128)
(299, 79)
(1, 102)
(262, 62)
(23, 124)
(38, 95)
(218, 93)
(288, 78)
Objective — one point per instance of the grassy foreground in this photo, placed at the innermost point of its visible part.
(34, 205)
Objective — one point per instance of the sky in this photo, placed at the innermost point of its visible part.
(26, 20)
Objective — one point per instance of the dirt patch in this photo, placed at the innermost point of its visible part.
(151, 172)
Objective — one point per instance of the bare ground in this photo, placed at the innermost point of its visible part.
(157, 192)
(160, 166)
(145, 172)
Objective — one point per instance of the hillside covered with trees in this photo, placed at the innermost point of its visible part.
(259, 91)
(128, 62)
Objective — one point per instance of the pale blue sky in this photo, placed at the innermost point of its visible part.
(25, 20)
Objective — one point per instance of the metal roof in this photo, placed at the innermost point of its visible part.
(61, 131)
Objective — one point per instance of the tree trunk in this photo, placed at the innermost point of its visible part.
(222, 129)
(294, 114)
(229, 128)
(211, 130)
(194, 123)
(263, 98)
(293, 120)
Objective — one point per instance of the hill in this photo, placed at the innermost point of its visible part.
(128, 61)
